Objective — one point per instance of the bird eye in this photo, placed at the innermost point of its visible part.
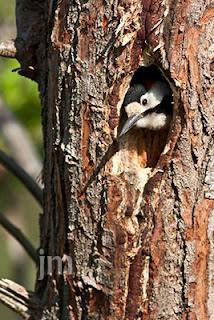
(144, 102)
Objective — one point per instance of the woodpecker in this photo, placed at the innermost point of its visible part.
(150, 109)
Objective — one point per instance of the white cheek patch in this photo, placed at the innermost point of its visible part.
(154, 99)
(155, 94)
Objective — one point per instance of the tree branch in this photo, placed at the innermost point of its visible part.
(8, 49)
(18, 298)
(22, 175)
(19, 236)
(17, 139)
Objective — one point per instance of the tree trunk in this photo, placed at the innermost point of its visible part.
(135, 213)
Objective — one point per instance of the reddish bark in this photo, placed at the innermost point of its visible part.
(115, 204)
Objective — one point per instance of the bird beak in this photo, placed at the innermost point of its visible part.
(130, 122)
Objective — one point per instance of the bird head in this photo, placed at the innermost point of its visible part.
(146, 106)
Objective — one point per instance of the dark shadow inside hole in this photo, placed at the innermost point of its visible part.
(147, 76)
(140, 219)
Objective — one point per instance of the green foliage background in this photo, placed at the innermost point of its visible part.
(22, 97)
(19, 93)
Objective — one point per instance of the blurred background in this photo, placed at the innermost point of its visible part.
(20, 137)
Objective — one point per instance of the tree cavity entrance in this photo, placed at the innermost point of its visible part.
(146, 115)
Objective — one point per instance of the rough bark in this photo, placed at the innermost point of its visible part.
(140, 232)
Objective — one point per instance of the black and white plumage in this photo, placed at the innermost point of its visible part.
(150, 109)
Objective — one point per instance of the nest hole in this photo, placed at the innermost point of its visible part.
(149, 144)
